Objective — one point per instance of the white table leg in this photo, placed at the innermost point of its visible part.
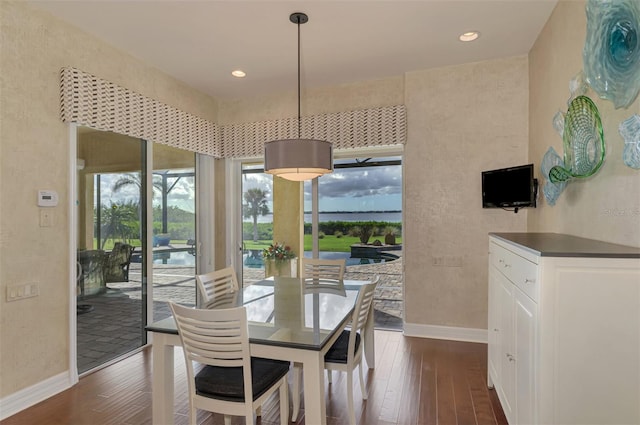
(315, 409)
(163, 374)
(369, 341)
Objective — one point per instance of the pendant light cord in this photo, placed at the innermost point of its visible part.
(299, 119)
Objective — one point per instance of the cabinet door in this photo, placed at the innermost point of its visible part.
(494, 332)
(525, 334)
(507, 389)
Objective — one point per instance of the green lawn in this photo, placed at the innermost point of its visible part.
(327, 243)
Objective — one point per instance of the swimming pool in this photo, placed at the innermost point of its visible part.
(184, 258)
(181, 258)
(255, 261)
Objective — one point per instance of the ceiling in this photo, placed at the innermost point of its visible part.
(201, 42)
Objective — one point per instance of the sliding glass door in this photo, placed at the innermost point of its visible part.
(111, 275)
(112, 216)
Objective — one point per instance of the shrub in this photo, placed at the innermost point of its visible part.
(321, 235)
(338, 234)
(363, 232)
(390, 230)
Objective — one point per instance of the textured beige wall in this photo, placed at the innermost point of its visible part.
(461, 120)
(605, 206)
(324, 100)
(34, 337)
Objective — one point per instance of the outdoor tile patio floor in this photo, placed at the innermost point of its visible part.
(112, 327)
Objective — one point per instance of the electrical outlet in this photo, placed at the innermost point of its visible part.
(18, 292)
(453, 261)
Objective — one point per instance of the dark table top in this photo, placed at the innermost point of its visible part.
(560, 245)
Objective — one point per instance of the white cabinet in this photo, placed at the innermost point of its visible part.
(512, 324)
(525, 316)
(564, 329)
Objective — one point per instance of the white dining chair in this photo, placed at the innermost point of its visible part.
(231, 382)
(214, 284)
(346, 353)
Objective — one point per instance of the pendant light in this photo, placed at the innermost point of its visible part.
(298, 159)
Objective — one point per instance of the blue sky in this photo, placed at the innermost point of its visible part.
(347, 189)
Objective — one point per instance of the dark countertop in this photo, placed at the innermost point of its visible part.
(560, 245)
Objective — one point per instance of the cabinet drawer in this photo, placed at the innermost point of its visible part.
(520, 271)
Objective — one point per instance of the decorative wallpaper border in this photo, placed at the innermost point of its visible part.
(99, 104)
(96, 103)
(350, 129)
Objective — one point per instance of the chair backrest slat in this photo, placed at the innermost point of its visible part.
(320, 269)
(216, 284)
(213, 337)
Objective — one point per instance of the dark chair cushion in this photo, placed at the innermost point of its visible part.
(226, 383)
(338, 351)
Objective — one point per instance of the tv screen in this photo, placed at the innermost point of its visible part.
(512, 187)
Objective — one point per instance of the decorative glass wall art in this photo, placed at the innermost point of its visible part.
(577, 86)
(630, 131)
(611, 52)
(583, 142)
(550, 189)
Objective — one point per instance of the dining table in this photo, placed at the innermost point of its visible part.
(290, 319)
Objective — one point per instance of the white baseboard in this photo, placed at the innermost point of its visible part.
(445, 332)
(27, 397)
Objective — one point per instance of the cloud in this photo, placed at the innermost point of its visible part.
(258, 181)
(358, 183)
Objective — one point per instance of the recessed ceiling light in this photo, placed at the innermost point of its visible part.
(239, 73)
(469, 36)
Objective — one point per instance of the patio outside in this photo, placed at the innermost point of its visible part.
(114, 324)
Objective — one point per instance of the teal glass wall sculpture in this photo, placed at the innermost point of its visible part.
(551, 190)
(629, 129)
(611, 53)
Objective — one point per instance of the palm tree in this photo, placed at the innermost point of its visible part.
(133, 179)
(255, 205)
(116, 222)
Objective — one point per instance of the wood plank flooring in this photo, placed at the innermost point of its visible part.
(416, 381)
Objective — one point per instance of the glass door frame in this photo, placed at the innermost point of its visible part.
(233, 196)
(147, 289)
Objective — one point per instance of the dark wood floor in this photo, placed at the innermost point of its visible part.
(416, 381)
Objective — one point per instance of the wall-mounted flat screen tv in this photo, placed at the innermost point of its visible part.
(512, 187)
